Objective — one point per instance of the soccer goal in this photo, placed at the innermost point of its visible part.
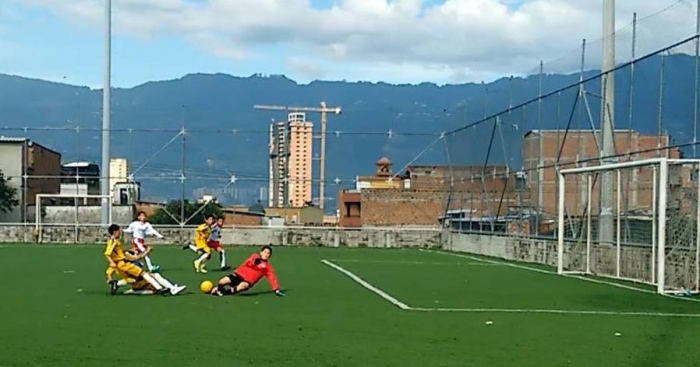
(69, 212)
(636, 221)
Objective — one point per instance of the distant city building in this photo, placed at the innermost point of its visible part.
(119, 173)
(126, 193)
(31, 169)
(547, 148)
(290, 162)
(80, 178)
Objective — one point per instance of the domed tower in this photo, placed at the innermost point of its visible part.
(383, 167)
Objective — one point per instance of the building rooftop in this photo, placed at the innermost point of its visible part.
(7, 139)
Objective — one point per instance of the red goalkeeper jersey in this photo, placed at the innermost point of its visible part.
(252, 272)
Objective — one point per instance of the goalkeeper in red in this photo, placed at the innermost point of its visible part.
(249, 273)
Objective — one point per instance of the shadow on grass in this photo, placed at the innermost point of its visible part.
(261, 293)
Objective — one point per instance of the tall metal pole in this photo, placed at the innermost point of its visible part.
(540, 160)
(697, 75)
(106, 123)
(322, 168)
(607, 123)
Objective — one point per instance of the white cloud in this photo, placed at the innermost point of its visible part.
(393, 40)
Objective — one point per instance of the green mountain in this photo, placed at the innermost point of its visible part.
(225, 136)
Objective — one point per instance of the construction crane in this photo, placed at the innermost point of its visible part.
(324, 110)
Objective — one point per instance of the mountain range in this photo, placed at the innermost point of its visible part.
(224, 136)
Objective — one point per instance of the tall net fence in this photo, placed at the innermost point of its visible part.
(479, 158)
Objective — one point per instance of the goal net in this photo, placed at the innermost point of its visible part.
(635, 221)
(70, 218)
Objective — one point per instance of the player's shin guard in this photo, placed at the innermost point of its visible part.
(222, 256)
(152, 281)
(162, 281)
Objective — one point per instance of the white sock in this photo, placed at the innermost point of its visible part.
(203, 257)
(152, 281)
(138, 293)
(164, 282)
(122, 282)
(148, 263)
(222, 254)
(193, 248)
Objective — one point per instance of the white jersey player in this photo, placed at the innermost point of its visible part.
(139, 229)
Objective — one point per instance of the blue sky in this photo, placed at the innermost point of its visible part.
(401, 41)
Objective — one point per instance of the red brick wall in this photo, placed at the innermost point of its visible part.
(402, 207)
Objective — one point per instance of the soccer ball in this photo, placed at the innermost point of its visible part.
(206, 286)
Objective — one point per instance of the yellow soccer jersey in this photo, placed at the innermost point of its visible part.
(201, 235)
(114, 250)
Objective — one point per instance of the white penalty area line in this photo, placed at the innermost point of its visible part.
(368, 286)
(398, 262)
(406, 307)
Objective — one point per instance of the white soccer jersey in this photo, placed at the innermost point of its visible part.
(139, 230)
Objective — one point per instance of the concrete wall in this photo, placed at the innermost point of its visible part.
(86, 214)
(11, 167)
(286, 236)
(635, 262)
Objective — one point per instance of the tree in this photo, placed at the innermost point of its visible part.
(8, 195)
(171, 213)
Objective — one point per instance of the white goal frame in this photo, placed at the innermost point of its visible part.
(659, 218)
(38, 207)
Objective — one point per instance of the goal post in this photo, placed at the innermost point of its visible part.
(648, 234)
(72, 215)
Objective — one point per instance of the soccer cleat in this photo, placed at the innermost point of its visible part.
(186, 247)
(196, 264)
(216, 292)
(163, 291)
(177, 289)
(155, 269)
(113, 286)
(225, 267)
(202, 269)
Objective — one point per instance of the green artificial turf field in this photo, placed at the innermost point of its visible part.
(56, 311)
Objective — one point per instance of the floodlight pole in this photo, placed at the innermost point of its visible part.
(605, 234)
(106, 123)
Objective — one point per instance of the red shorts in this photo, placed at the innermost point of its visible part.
(138, 245)
(214, 245)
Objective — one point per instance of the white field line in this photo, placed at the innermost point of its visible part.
(490, 261)
(410, 262)
(562, 312)
(368, 286)
(406, 307)
(543, 271)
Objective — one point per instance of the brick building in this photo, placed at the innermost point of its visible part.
(422, 195)
(541, 148)
(31, 169)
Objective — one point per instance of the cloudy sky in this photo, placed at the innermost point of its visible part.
(398, 41)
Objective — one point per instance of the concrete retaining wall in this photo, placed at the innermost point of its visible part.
(289, 236)
(635, 262)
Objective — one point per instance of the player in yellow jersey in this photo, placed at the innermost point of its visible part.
(201, 236)
(126, 265)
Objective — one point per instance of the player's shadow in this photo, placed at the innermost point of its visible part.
(261, 293)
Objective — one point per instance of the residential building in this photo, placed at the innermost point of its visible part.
(80, 178)
(31, 169)
(119, 174)
(580, 148)
(307, 216)
(290, 166)
(422, 195)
